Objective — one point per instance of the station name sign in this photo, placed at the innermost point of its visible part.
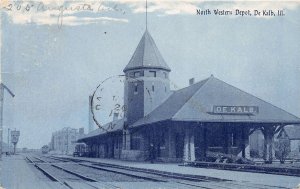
(247, 110)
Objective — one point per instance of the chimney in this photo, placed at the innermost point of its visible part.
(116, 115)
(191, 81)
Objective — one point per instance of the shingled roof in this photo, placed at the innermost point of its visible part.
(195, 103)
(292, 132)
(146, 55)
(110, 127)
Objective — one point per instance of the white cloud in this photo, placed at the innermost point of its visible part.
(164, 6)
(73, 21)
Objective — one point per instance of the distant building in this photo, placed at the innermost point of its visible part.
(63, 141)
(292, 133)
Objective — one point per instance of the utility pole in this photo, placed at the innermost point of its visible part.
(67, 140)
(8, 145)
(1, 115)
(2, 87)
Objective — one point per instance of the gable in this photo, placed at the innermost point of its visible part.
(292, 132)
(197, 102)
(218, 93)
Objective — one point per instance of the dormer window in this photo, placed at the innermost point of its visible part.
(137, 74)
(152, 73)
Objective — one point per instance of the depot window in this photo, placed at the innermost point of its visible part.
(163, 140)
(118, 142)
(135, 88)
(166, 75)
(135, 141)
(152, 73)
(233, 139)
(137, 74)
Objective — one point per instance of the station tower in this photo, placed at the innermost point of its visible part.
(147, 82)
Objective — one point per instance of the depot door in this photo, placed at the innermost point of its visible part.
(179, 144)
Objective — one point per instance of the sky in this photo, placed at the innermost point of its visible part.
(53, 60)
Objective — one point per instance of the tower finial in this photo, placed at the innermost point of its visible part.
(146, 14)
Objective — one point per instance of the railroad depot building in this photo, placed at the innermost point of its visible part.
(183, 125)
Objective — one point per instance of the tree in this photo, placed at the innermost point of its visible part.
(269, 131)
(282, 147)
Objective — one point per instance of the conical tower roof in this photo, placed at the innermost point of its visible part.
(147, 55)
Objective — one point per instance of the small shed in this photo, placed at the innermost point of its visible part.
(292, 133)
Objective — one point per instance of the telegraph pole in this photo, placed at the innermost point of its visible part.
(8, 133)
(2, 87)
(1, 91)
(1, 114)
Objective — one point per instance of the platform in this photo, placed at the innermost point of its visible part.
(248, 177)
(16, 173)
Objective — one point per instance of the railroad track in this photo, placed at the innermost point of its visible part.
(192, 180)
(166, 179)
(288, 171)
(66, 178)
(112, 176)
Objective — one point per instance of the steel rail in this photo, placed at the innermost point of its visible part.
(74, 173)
(86, 178)
(161, 173)
(39, 159)
(122, 173)
(171, 175)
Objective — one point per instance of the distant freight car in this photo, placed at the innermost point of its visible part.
(81, 150)
(45, 149)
